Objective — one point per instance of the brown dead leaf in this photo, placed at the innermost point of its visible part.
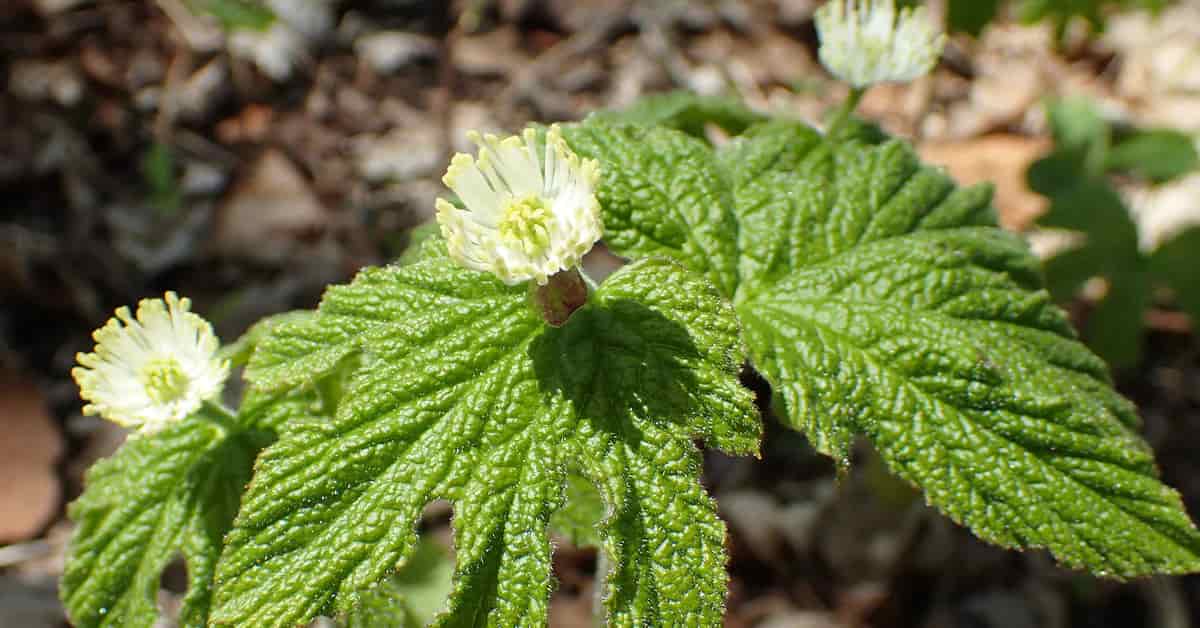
(497, 52)
(270, 213)
(579, 15)
(999, 159)
(895, 107)
(29, 487)
(250, 125)
(572, 610)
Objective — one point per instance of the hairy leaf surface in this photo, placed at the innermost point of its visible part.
(167, 494)
(880, 299)
(581, 513)
(157, 496)
(410, 599)
(663, 194)
(686, 112)
(471, 398)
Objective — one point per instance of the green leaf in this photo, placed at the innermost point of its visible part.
(971, 16)
(158, 169)
(165, 494)
(410, 599)
(420, 239)
(1055, 172)
(851, 129)
(1077, 125)
(684, 111)
(1177, 263)
(157, 496)
(1061, 12)
(237, 14)
(300, 351)
(800, 200)
(663, 195)
(1096, 209)
(270, 410)
(1114, 328)
(908, 320)
(1081, 143)
(1069, 270)
(1082, 199)
(1158, 154)
(471, 398)
(238, 352)
(581, 514)
(879, 299)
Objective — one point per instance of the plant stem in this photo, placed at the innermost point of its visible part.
(846, 110)
(565, 292)
(217, 414)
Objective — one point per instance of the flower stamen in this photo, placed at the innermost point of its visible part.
(526, 224)
(163, 379)
(529, 208)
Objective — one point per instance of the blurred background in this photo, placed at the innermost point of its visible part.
(247, 155)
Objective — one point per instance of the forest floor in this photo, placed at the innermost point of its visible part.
(137, 155)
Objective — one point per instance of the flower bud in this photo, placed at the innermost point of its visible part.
(864, 42)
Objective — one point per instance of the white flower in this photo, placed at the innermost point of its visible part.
(529, 212)
(147, 372)
(864, 42)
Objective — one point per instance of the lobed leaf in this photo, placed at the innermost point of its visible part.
(901, 314)
(157, 496)
(1177, 263)
(298, 352)
(581, 513)
(662, 194)
(471, 398)
(685, 111)
(1156, 154)
(410, 599)
(879, 299)
(171, 493)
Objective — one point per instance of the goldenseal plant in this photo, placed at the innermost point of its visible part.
(148, 371)
(866, 42)
(173, 487)
(531, 214)
(876, 298)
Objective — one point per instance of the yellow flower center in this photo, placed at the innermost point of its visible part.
(526, 223)
(164, 380)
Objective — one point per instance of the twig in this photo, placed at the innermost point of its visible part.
(16, 554)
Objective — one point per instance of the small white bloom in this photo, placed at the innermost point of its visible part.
(529, 213)
(864, 42)
(147, 372)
